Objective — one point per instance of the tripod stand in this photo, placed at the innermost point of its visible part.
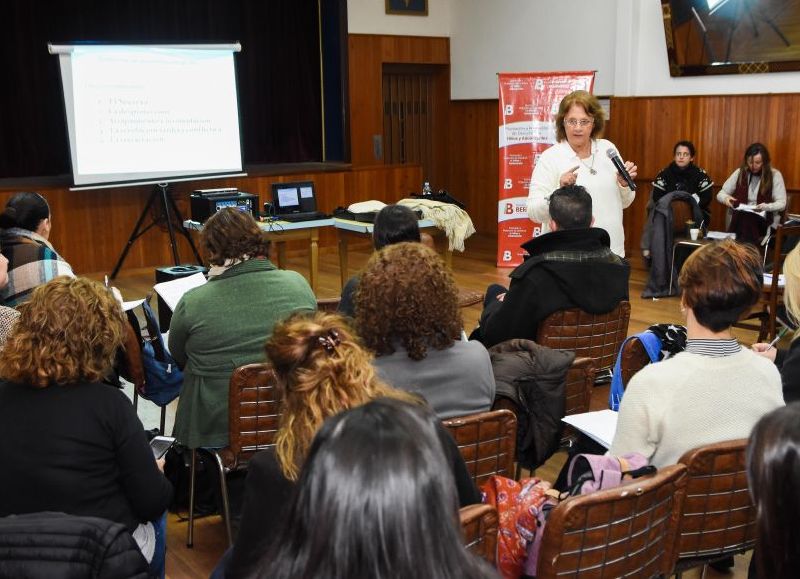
(159, 193)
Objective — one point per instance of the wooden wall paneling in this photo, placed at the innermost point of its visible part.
(721, 127)
(473, 147)
(90, 228)
(367, 53)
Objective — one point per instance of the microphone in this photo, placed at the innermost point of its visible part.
(614, 156)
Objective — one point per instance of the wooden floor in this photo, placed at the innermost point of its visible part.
(474, 270)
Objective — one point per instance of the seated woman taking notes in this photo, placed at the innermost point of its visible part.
(715, 390)
(223, 324)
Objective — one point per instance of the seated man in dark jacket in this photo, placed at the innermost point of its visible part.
(572, 266)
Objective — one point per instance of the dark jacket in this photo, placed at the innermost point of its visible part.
(657, 239)
(77, 449)
(533, 377)
(568, 268)
(788, 362)
(691, 179)
(47, 545)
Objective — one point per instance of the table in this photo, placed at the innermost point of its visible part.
(347, 229)
(280, 232)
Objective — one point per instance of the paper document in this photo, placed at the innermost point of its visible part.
(720, 235)
(768, 279)
(751, 209)
(600, 426)
(172, 291)
(127, 306)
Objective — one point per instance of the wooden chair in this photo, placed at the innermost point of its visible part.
(132, 370)
(578, 394)
(487, 442)
(596, 336)
(718, 517)
(772, 293)
(634, 358)
(479, 526)
(626, 531)
(253, 416)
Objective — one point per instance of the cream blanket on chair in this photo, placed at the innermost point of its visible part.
(454, 221)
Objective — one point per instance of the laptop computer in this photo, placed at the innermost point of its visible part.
(295, 201)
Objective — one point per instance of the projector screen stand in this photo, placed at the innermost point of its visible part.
(159, 193)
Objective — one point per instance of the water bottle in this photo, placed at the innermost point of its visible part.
(426, 188)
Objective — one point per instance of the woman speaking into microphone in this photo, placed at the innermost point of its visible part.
(579, 157)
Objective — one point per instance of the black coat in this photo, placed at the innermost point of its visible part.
(47, 545)
(788, 362)
(564, 270)
(533, 378)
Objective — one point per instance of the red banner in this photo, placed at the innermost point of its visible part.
(528, 108)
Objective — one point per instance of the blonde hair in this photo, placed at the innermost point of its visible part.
(323, 370)
(791, 295)
(68, 331)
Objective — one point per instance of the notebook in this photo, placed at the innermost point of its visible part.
(295, 201)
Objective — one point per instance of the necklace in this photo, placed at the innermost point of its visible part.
(590, 167)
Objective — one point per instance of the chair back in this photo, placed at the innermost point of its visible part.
(132, 368)
(626, 531)
(718, 515)
(634, 358)
(487, 442)
(681, 213)
(479, 526)
(578, 387)
(254, 409)
(596, 336)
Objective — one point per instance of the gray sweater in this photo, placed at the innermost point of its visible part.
(455, 381)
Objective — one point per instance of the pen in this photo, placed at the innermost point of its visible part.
(778, 337)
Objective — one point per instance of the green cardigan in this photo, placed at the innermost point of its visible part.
(219, 326)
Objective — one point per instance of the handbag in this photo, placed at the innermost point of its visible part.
(163, 377)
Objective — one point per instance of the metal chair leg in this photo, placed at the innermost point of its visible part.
(226, 509)
(163, 420)
(192, 474)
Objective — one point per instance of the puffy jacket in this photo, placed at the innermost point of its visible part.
(533, 378)
(47, 545)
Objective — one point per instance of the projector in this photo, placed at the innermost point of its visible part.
(206, 202)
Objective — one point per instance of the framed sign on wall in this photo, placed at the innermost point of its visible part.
(407, 7)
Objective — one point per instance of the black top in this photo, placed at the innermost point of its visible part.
(691, 179)
(788, 362)
(347, 306)
(566, 268)
(78, 449)
(268, 493)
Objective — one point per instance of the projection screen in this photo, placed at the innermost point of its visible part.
(150, 113)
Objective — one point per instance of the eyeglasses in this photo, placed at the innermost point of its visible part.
(578, 123)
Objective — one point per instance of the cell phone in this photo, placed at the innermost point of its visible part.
(160, 445)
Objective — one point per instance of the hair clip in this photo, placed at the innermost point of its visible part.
(330, 341)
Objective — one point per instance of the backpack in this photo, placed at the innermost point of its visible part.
(586, 473)
(163, 378)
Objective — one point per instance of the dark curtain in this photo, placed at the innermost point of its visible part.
(278, 70)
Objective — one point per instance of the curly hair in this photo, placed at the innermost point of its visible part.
(407, 295)
(233, 234)
(589, 103)
(322, 369)
(68, 332)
